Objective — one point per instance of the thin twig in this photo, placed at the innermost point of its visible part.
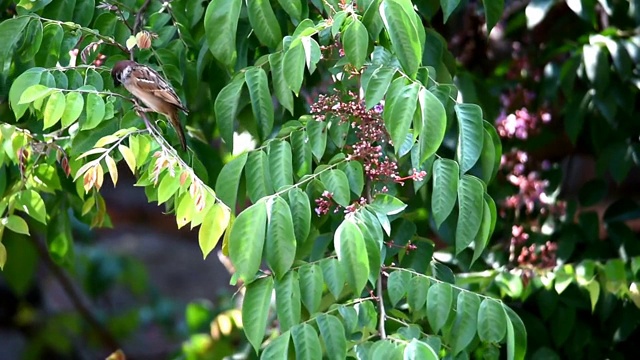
(107, 339)
(383, 314)
(138, 22)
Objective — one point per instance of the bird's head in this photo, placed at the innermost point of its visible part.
(120, 70)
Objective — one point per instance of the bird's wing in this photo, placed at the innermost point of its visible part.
(149, 80)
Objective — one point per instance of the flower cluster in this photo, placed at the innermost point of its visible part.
(520, 123)
(521, 118)
(370, 132)
(324, 203)
(369, 146)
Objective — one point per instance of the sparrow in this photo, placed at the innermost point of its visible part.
(154, 91)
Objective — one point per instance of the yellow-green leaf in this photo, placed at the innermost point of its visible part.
(16, 224)
(106, 140)
(113, 169)
(34, 92)
(213, 226)
(3, 256)
(73, 108)
(54, 109)
(128, 156)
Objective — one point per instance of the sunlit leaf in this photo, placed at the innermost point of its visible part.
(214, 224)
(16, 224)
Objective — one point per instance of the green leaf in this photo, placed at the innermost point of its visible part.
(258, 176)
(356, 41)
(593, 288)
(418, 350)
(484, 234)
(293, 8)
(316, 130)
(280, 87)
(301, 214)
(280, 164)
(306, 342)
(398, 120)
(597, 66)
(280, 248)
(377, 85)
(293, 65)
(169, 185)
(372, 20)
(24, 81)
(516, 336)
(338, 131)
(264, 22)
(255, 310)
(54, 109)
(403, 34)
(213, 226)
(3, 256)
(226, 108)
(355, 175)
(10, 35)
(492, 321)
(417, 292)
(220, 26)
(311, 291)
(229, 180)
(50, 50)
(434, 123)
(471, 204)
(288, 300)
(301, 149)
(277, 348)
(445, 189)
(373, 239)
(337, 183)
(334, 277)
(447, 7)
(95, 112)
(497, 150)
(493, 11)
(30, 202)
(247, 240)
(332, 333)
(387, 205)
(465, 325)
(352, 255)
(397, 286)
(73, 108)
(384, 350)
(35, 92)
(16, 224)
(261, 102)
(470, 136)
(439, 301)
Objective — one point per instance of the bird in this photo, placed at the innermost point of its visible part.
(153, 90)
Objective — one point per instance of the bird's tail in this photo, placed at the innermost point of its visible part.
(175, 122)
